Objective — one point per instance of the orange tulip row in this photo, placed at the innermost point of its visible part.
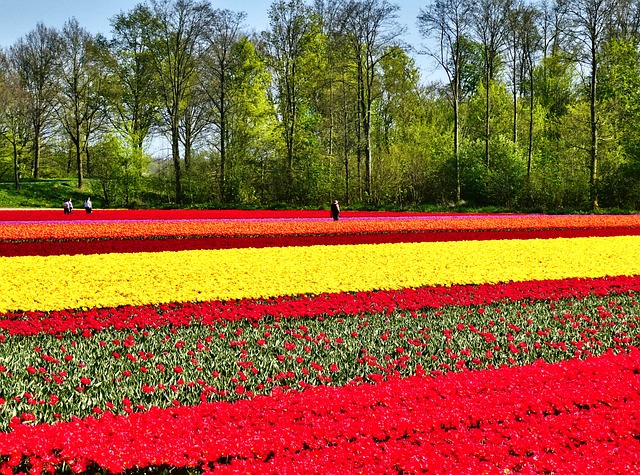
(212, 228)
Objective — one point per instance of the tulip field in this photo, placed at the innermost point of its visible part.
(283, 342)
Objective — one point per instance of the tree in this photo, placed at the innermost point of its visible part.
(252, 128)
(514, 56)
(490, 26)
(448, 21)
(371, 28)
(34, 58)
(286, 43)
(619, 89)
(554, 74)
(626, 21)
(400, 116)
(218, 73)
(119, 169)
(81, 81)
(133, 89)
(14, 116)
(174, 40)
(342, 107)
(523, 44)
(590, 22)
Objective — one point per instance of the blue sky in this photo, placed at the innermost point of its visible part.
(21, 16)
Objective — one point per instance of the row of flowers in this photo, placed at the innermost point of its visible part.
(104, 246)
(180, 314)
(12, 215)
(111, 280)
(422, 357)
(573, 417)
(130, 229)
(45, 378)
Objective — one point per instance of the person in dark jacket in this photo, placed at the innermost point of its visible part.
(335, 210)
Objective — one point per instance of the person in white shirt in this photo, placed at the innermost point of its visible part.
(67, 206)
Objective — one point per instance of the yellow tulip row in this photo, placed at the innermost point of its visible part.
(42, 283)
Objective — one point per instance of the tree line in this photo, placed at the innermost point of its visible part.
(182, 104)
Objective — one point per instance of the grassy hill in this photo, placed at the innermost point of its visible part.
(41, 194)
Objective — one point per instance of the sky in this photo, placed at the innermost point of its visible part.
(19, 17)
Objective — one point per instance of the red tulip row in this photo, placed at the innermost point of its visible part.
(102, 246)
(179, 314)
(54, 378)
(578, 416)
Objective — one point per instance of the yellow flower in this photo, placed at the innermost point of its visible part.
(107, 280)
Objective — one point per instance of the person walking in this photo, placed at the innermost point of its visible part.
(88, 207)
(335, 210)
(67, 206)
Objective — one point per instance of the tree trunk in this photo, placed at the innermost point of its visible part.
(290, 124)
(16, 166)
(223, 139)
(175, 152)
(367, 129)
(331, 116)
(36, 153)
(593, 178)
(456, 142)
(88, 155)
(515, 102)
(531, 116)
(345, 138)
(359, 129)
(78, 148)
(486, 122)
(367, 145)
(188, 127)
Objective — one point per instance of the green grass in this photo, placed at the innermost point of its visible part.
(40, 194)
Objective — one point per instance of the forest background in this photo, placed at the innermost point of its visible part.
(536, 109)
